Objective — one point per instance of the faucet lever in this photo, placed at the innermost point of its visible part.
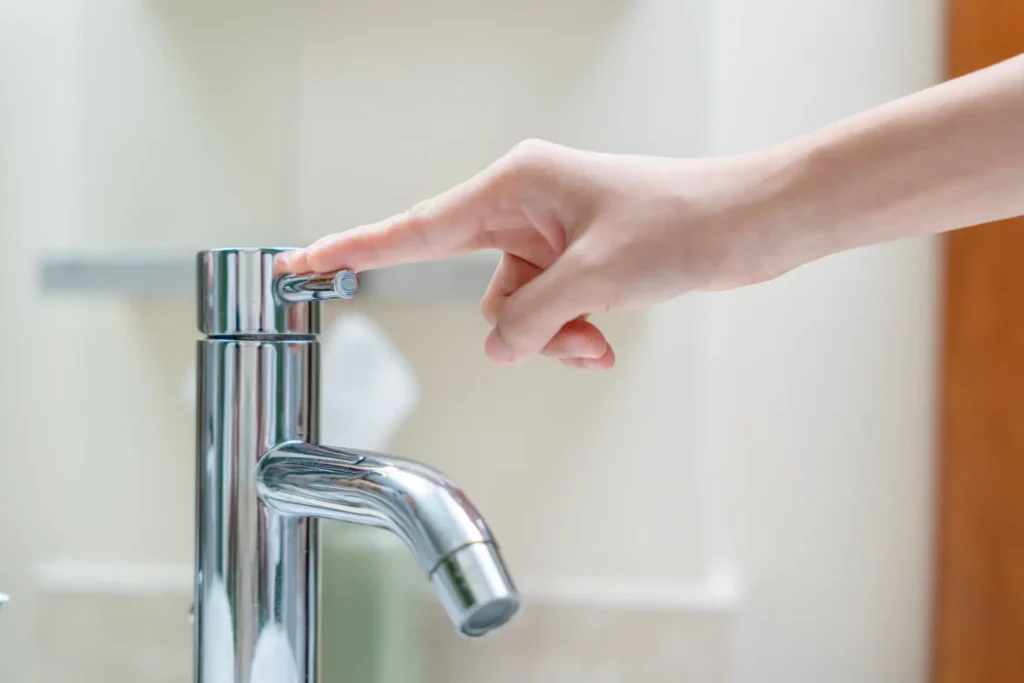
(296, 289)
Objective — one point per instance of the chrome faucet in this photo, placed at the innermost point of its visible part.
(263, 482)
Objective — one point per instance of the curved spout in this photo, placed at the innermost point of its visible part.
(428, 511)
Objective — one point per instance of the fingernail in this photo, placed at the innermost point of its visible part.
(590, 353)
(496, 349)
(282, 263)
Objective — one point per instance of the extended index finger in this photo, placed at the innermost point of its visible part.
(440, 227)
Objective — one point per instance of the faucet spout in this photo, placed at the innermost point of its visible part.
(442, 528)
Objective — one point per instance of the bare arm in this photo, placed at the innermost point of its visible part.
(947, 157)
(584, 232)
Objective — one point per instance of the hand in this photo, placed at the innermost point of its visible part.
(584, 232)
(581, 232)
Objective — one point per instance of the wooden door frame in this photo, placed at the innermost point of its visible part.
(978, 625)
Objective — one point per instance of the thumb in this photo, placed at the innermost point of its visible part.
(536, 312)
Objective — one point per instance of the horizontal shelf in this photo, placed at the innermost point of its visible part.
(165, 274)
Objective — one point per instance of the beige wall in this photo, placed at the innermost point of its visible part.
(613, 454)
(824, 410)
(783, 433)
(128, 123)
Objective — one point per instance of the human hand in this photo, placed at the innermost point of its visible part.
(581, 232)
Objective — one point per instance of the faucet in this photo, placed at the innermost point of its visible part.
(263, 482)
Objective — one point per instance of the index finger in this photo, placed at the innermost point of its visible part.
(443, 226)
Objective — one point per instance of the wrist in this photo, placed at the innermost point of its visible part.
(773, 217)
(808, 218)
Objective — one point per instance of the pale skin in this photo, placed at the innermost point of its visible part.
(583, 232)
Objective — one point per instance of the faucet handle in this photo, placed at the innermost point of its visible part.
(240, 294)
(296, 289)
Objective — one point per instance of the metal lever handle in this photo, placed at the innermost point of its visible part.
(295, 289)
(240, 294)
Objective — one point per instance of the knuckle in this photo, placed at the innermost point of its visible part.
(490, 308)
(316, 261)
(532, 154)
(532, 146)
(529, 162)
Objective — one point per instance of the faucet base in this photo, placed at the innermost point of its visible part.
(257, 570)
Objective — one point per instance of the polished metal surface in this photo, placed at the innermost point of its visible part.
(256, 570)
(414, 501)
(262, 483)
(3, 601)
(295, 289)
(475, 589)
(236, 296)
(437, 521)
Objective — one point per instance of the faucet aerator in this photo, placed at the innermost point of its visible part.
(475, 590)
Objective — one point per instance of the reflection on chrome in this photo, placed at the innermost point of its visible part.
(263, 482)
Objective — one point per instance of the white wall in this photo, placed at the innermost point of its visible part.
(823, 382)
(129, 124)
(808, 400)
(598, 474)
(814, 394)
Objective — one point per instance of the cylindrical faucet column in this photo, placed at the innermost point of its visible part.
(257, 571)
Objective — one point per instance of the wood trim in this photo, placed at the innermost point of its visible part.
(978, 634)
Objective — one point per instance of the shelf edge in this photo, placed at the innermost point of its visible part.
(172, 275)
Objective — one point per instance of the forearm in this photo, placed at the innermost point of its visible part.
(947, 157)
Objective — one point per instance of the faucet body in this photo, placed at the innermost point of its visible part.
(263, 483)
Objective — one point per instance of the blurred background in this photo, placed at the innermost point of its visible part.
(748, 497)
